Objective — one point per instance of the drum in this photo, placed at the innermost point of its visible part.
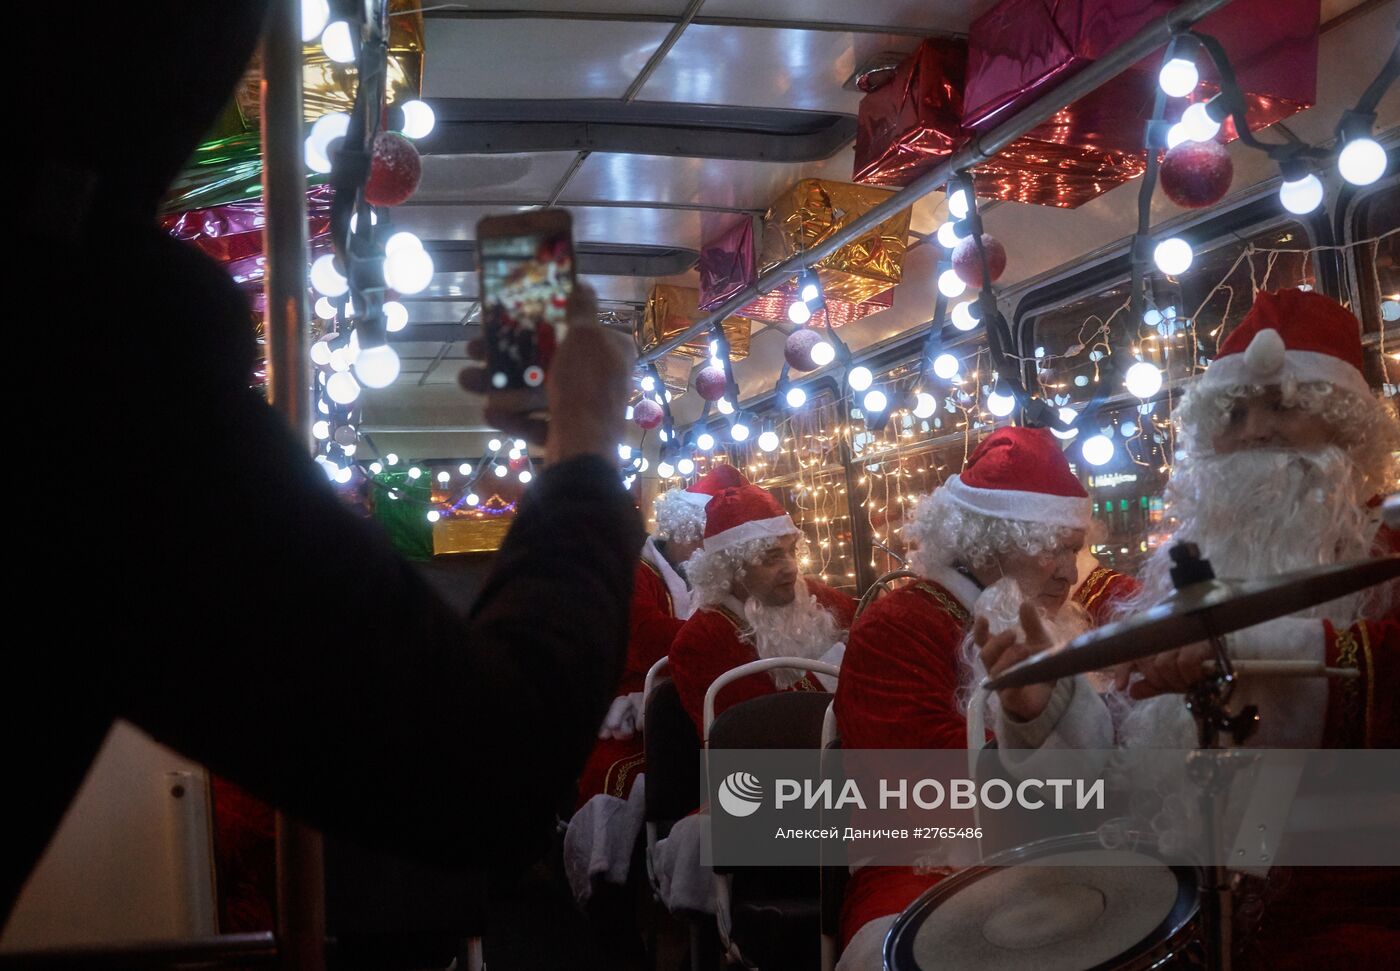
(1124, 910)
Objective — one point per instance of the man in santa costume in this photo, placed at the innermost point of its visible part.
(1009, 529)
(609, 815)
(1288, 453)
(752, 602)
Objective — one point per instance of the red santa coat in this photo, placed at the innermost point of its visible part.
(712, 642)
(615, 763)
(898, 690)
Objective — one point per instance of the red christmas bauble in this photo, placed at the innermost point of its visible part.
(967, 262)
(647, 413)
(394, 170)
(798, 349)
(711, 383)
(1197, 174)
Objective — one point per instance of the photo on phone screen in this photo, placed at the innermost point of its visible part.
(527, 273)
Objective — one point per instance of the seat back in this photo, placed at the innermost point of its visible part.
(785, 719)
(673, 757)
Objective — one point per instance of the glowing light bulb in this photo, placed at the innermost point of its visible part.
(408, 270)
(464, 469)
(1362, 161)
(342, 388)
(326, 129)
(945, 366)
(823, 353)
(326, 278)
(525, 476)
(648, 383)
(321, 430)
(415, 472)
(325, 309)
(962, 316)
(796, 397)
(340, 359)
(875, 401)
(1097, 449)
(1173, 256)
(1128, 429)
(624, 452)
(336, 42)
(391, 459)
(314, 14)
(1000, 404)
(948, 235)
(1067, 415)
(444, 477)
(1199, 125)
(434, 515)
(957, 203)
(859, 378)
(950, 284)
(499, 470)
(739, 432)
(685, 466)
(418, 119)
(395, 316)
(1178, 77)
(494, 445)
(473, 499)
(705, 442)
(924, 405)
(725, 408)
(513, 454)
(375, 468)
(665, 469)
(377, 367)
(1301, 196)
(768, 441)
(1176, 134)
(343, 476)
(809, 292)
(1143, 379)
(799, 313)
(321, 353)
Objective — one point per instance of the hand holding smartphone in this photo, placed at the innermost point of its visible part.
(526, 264)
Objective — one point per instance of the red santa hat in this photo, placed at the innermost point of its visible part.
(737, 515)
(1020, 473)
(705, 488)
(1292, 335)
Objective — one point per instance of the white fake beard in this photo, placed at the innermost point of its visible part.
(1001, 603)
(803, 628)
(1260, 512)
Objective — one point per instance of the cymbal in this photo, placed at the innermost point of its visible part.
(1198, 612)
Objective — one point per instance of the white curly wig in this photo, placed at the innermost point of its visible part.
(678, 518)
(1366, 426)
(944, 534)
(711, 572)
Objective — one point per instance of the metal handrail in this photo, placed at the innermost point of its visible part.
(219, 951)
(880, 585)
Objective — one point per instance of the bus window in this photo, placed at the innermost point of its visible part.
(1377, 264)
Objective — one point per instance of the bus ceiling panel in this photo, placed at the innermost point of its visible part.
(536, 58)
(702, 183)
(437, 311)
(564, 8)
(493, 126)
(601, 259)
(768, 67)
(522, 177)
(458, 286)
(634, 226)
(924, 16)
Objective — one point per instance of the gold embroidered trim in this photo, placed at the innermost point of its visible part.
(670, 603)
(620, 772)
(1353, 719)
(958, 612)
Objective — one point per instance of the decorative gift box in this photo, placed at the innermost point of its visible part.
(670, 310)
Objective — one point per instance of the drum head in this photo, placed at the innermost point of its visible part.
(1100, 909)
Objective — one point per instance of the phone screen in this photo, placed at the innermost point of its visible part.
(525, 283)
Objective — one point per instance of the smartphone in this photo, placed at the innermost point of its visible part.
(526, 265)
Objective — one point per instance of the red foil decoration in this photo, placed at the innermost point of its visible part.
(727, 266)
(1021, 49)
(912, 123)
(232, 233)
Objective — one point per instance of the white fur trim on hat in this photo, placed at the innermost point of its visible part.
(1263, 364)
(1034, 507)
(774, 528)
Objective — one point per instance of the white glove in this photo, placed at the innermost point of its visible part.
(624, 717)
(833, 655)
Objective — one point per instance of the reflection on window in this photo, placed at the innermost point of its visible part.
(1377, 255)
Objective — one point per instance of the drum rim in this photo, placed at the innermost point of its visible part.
(898, 948)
